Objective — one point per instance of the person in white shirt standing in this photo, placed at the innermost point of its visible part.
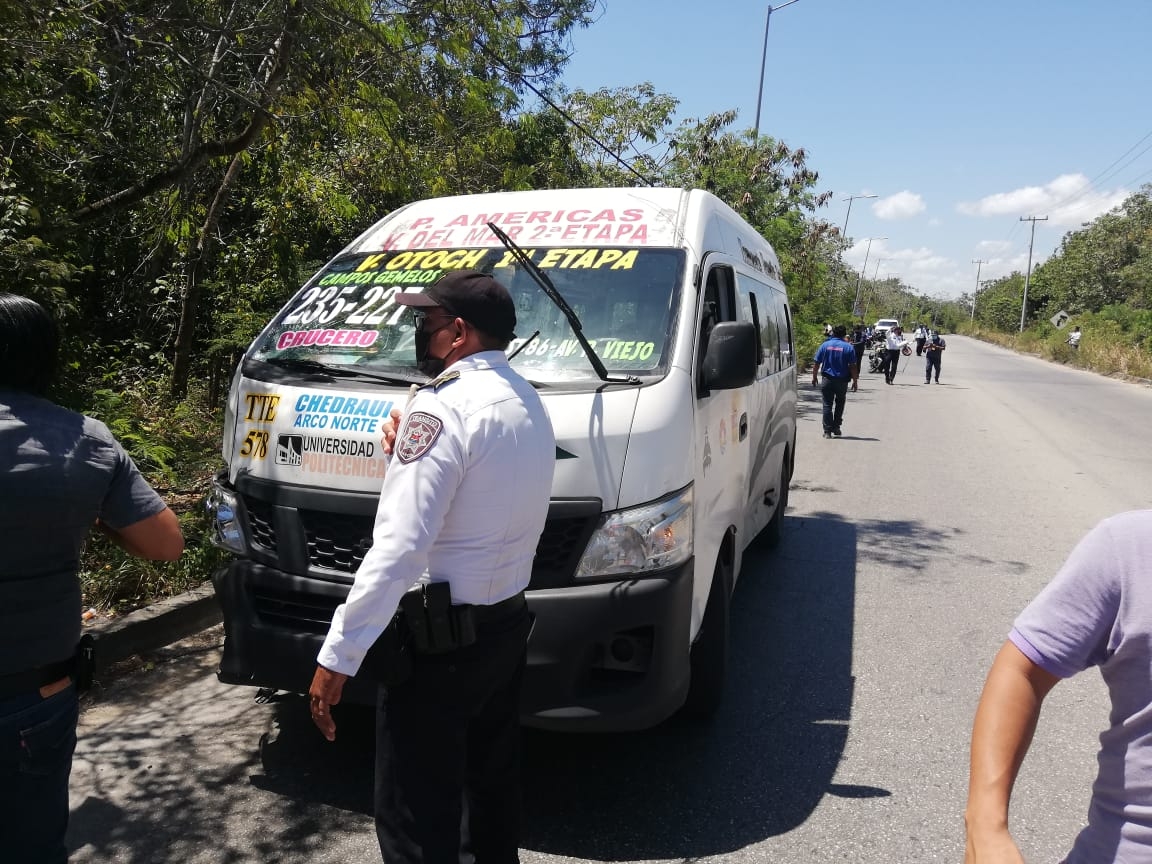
(920, 334)
(894, 341)
(1074, 338)
(464, 503)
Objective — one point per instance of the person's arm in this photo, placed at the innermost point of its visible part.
(1001, 734)
(815, 374)
(157, 537)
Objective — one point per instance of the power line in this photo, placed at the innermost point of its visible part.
(1108, 172)
(523, 80)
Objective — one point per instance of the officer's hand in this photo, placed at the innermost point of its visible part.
(327, 687)
(389, 430)
(853, 386)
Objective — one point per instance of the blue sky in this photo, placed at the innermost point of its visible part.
(961, 117)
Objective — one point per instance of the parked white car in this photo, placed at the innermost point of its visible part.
(886, 324)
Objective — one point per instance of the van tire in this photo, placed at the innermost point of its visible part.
(774, 530)
(709, 656)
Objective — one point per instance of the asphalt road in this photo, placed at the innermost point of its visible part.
(860, 647)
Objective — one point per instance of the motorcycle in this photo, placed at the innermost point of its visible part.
(878, 352)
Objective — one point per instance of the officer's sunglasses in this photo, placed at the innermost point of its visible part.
(420, 320)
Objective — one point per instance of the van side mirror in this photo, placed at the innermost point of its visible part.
(730, 361)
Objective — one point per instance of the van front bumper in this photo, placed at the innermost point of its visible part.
(601, 657)
(574, 683)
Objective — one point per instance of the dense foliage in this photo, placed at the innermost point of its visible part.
(1101, 278)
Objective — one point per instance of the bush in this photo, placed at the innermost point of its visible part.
(177, 448)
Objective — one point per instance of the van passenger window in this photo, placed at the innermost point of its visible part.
(719, 304)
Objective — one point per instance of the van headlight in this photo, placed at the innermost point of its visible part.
(652, 536)
(227, 532)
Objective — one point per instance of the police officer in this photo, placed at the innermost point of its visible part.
(934, 352)
(61, 474)
(464, 503)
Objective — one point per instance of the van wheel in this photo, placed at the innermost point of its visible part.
(709, 657)
(774, 530)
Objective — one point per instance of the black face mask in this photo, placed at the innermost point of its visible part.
(425, 362)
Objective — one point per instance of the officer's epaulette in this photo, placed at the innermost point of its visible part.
(436, 383)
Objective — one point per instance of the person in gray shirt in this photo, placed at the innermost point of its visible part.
(61, 474)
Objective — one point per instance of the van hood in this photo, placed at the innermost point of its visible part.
(592, 432)
(329, 437)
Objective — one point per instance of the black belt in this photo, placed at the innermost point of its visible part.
(31, 680)
(501, 610)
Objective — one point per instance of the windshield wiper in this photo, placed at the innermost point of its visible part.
(548, 288)
(341, 371)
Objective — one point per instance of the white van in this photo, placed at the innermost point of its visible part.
(671, 457)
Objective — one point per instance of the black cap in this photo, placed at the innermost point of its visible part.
(476, 297)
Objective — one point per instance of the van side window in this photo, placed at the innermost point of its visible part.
(786, 352)
(770, 334)
(719, 305)
(760, 354)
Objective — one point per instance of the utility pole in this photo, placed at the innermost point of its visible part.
(1028, 272)
(979, 262)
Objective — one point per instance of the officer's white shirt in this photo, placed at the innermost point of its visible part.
(464, 501)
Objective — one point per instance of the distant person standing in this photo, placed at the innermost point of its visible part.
(920, 334)
(859, 344)
(894, 340)
(932, 353)
(1074, 338)
(835, 362)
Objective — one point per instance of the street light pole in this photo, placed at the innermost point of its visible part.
(764, 60)
(850, 199)
(979, 262)
(860, 276)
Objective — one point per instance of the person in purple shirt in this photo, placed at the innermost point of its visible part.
(835, 362)
(1097, 611)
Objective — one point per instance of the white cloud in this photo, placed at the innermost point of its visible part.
(1067, 201)
(902, 205)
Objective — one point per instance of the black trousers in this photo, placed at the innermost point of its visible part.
(891, 363)
(833, 391)
(448, 753)
(932, 362)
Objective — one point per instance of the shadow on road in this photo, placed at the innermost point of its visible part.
(766, 760)
(256, 782)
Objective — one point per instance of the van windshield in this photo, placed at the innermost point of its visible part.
(624, 298)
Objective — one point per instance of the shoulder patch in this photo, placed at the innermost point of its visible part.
(436, 383)
(420, 432)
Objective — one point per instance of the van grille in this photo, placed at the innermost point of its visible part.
(309, 612)
(338, 542)
(261, 522)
